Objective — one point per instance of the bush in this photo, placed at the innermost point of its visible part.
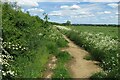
(27, 43)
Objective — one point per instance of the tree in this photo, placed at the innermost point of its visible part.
(15, 6)
(68, 22)
(46, 18)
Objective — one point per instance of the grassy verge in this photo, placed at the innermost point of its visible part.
(32, 66)
(61, 70)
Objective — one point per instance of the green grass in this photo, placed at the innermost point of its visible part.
(64, 57)
(88, 57)
(61, 70)
(32, 66)
(110, 31)
(98, 76)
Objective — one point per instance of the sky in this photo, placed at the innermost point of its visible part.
(76, 11)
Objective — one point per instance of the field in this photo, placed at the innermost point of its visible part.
(108, 30)
(102, 46)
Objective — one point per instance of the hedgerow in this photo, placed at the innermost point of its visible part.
(27, 43)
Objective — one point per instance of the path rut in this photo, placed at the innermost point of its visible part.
(80, 68)
(50, 66)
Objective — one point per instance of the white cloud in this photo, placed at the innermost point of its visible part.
(41, 0)
(107, 12)
(73, 7)
(117, 13)
(35, 10)
(83, 13)
(34, 3)
(65, 0)
(55, 13)
(113, 5)
(61, 13)
(104, 12)
(78, 0)
(27, 3)
(72, 13)
(100, 0)
(64, 7)
(12, 0)
(24, 3)
(68, 11)
(75, 11)
(58, 0)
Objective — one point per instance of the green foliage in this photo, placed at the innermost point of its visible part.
(62, 70)
(88, 57)
(52, 47)
(31, 65)
(30, 41)
(21, 30)
(64, 57)
(46, 18)
(62, 42)
(98, 76)
(108, 30)
(68, 23)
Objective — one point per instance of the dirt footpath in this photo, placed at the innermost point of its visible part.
(80, 68)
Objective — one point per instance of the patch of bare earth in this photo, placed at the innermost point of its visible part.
(80, 67)
(50, 67)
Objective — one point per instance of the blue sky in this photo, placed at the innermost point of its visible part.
(78, 12)
(81, 13)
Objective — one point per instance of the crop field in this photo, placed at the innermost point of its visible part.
(108, 30)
